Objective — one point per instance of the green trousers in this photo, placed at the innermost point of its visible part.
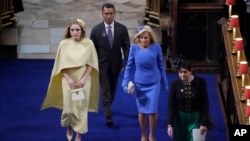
(184, 124)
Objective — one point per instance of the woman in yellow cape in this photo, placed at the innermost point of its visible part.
(75, 66)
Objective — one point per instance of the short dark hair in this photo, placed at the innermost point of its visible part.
(108, 5)
(186, 65)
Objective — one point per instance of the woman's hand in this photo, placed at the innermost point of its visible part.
(81, 83)
(71, 83)
(170, 131)
(203, 129)
(84, 77)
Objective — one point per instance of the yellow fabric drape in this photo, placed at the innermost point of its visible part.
(73, 54)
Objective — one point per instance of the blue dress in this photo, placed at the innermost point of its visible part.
(145, 68)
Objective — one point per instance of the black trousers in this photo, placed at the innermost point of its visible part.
(108, 84)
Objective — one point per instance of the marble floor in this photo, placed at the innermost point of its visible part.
(42, 23)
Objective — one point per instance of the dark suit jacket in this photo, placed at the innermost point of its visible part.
(106, 55)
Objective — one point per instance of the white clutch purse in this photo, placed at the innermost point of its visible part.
(77, 94)
(131, 87)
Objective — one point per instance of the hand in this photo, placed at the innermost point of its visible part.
(71, 83)
(203, 129)
(125, 89)
(170, 131)
(81, 83)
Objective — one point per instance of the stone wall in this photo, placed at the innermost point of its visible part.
(42, 23)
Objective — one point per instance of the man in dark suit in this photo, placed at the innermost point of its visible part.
(110, 38)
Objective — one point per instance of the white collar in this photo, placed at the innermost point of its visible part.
(106, 25)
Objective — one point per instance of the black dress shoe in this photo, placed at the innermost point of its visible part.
(109, 122)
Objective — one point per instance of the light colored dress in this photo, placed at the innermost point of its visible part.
(145, 68)
(74, 56)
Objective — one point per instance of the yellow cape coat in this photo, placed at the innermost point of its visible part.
(73, 54)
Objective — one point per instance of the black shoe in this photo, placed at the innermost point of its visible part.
(109, 122)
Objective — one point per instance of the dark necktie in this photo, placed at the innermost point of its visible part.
(110, 36)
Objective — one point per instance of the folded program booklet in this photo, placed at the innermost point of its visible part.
(197, 136)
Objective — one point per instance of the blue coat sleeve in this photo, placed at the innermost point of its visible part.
(161, 66)
(129, 71)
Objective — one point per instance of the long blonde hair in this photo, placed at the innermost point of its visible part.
(79, 22)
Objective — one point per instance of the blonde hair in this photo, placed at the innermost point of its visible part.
(142, 29)
(79, 22)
